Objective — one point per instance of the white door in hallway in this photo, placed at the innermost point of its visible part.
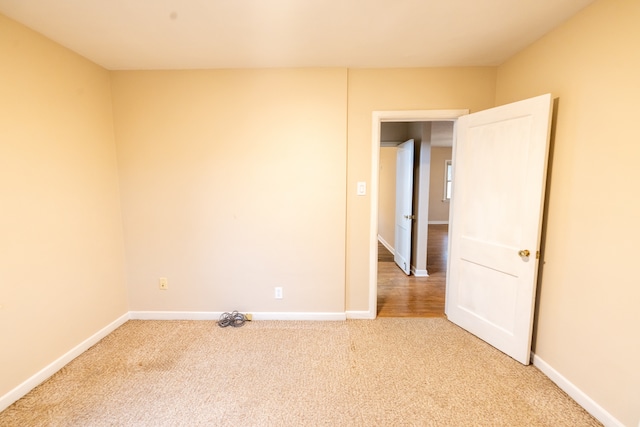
(499, 180)
(404, 205)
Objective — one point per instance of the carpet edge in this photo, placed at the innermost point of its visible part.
(45, 373)
(583, 399)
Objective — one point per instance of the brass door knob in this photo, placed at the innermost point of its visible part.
(524, 253)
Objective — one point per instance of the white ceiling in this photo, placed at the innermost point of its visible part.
(183, 34)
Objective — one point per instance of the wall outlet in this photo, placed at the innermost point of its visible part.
(163, 283)
(278, 293)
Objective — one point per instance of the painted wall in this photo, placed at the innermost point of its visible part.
(233, 183)
(588, 324)
(394, 89)
(387, 195)
(62, 269)
(438, 210)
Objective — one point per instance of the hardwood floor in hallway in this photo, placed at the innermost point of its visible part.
(400, 295)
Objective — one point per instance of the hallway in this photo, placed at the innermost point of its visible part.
(400, 295)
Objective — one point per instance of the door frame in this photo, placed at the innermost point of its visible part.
(378, 117)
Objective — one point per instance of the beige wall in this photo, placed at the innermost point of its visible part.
(395, 89)
(588, 324)
(438, 210)
(233, 183)
(387, 194)
(62, 276)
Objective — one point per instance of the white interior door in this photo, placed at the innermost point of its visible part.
(498, 193)
(404, 205)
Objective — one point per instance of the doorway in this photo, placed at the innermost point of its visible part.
(420, 292)
(410, 297)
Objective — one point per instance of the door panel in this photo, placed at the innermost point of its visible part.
(499, 179)
(404, 205)
(488, 294)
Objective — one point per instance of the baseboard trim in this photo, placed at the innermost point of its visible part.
(299, 316)
(215, 315)
(175, 315)
(576, 394)
(37, 379)
(386, 245)
(437, 222)
(361, 315)
(419, 273)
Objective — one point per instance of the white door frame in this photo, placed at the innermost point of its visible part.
(377, 118)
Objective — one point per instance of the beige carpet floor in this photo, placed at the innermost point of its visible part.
(386, 372)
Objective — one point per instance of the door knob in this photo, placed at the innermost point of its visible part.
(524, 253)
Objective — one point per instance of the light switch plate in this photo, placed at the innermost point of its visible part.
(362, 188)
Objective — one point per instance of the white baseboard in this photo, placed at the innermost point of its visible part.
(419, 273)
(41, 376)
(299, 316)
(364, 315)
(175, 315)
(215, 315)
(576, 394)
(437, 222)
(386, 245)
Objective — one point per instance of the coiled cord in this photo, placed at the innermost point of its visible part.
(234, 319)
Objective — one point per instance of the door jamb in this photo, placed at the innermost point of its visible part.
(377, 118)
